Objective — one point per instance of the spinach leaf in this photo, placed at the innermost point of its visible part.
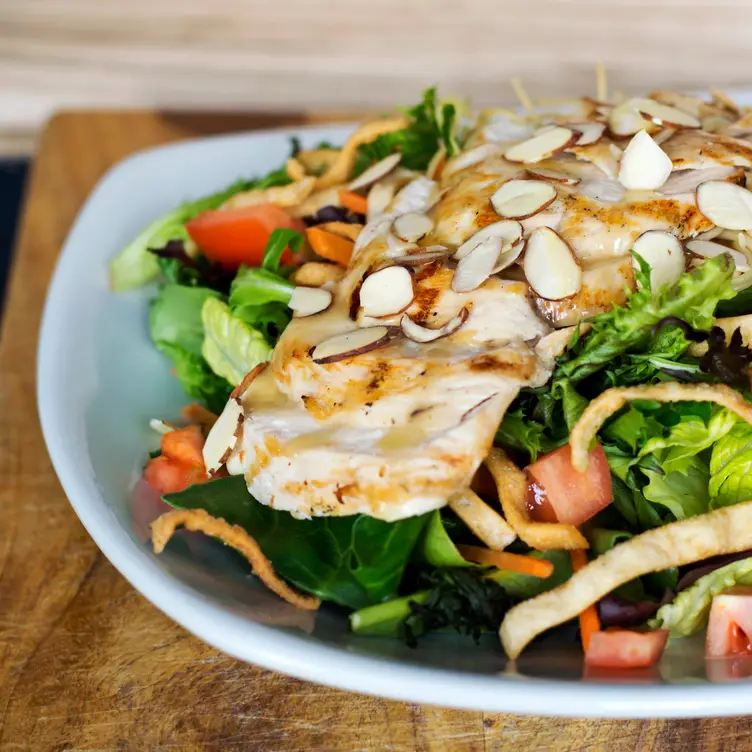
(353, 561)
(436, 548)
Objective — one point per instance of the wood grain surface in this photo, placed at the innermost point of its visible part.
(86, 663)
(257, 54)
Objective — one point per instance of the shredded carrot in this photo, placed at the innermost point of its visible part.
(354, 202)
(589, 621)
(511, 562)
(330, 246)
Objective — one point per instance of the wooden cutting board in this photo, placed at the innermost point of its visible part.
(85, 661)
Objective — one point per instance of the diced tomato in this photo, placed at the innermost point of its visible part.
(558, 493)
(238, 236)
(623, 648)
(181, 463)
(730, 624)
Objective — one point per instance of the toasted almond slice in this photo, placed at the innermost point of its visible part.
(663, 114)
(376, 172)
(223, 436)
(664, 134)
(709, 249)
(475, 268)
(724, 101)
(542, 146)
(507, 258)
(520, 199)
(725, 204)
(644, 165)
(664, 253)
(379, 198)
(508, 230)
(422, 334)
(604, 191)
(550, 266)
(386, 292)
(625, 120)
(590, 133)
(715, 123)
(305, 301)
(687, 181)
(551, 217)
(542, 173)
(425, 256)
(412, 226)
(353, 343)
(545, 129)
(470, 158)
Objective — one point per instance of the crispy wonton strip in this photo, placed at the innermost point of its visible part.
(281, 195)
(511, 483)
(612, 400)
(317, 160)
(295, 169)
(724, 531)
(347, 230)
(486, 523)
(199, 520)
(729, 326)
(341, 169)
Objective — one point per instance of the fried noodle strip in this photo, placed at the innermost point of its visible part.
(511, 483)
(723, 531)
(281, 195)
(486, 523)
(612, 400)
(199, 520)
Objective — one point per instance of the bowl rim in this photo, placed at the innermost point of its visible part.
(297, 655)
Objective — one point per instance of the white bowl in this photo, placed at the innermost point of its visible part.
(100, 380)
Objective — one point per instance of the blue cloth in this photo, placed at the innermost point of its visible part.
(12, 180)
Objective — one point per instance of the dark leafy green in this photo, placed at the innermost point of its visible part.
(353, 561)
(193, 271)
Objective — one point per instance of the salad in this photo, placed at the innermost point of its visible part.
(475, 371)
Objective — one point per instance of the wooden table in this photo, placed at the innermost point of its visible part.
(85, 661)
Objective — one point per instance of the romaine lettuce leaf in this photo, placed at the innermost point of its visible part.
(354, 561)
(688, 612)
(731, 467)
(684, 493)
(230, 346)
(175, 316)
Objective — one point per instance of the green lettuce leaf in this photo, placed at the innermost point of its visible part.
(230, 346)
(436, 547)
(693, 298)
(688, 612)
(731, 467)
(354, 561)
(522, 434)
(684, 494)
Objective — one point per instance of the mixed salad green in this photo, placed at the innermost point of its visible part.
(668, 461)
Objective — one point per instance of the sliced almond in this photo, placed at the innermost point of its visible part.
(715, 123)
(507, 258)
(508, 230)
(353, 343)
(223, 436)
(604, 191)
(306, 301)
(387, 291)
(590, 133)
(520, 199)
(379, 198)
(664, 135)
(542, 173)
(663, 252)
(376, 172)
(470, 158)
(663, 114)
(725, 204)
(397, 247)
(625, 120)
(644, 165)
(422, 334)
(550, 266)
(708, 249)
(475, 268)
(541, 146)
(724, 101)
(425, 256)
(160, 426)
(412, 226)
(687, 181)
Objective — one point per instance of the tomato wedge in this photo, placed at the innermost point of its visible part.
(181, 463)
(730, 624)
(623, 648)
(558, 493)
(238, 236)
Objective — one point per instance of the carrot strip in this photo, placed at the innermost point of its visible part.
(330, 246)
(354, 202)
(511, 562)
(589, 621)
